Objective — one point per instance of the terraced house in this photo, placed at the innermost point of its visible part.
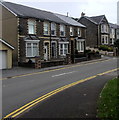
(36, 33)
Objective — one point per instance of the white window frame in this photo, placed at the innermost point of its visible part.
(63, 44)
(104, 28)
(31, 25)
(32, 42)
(62, 29)
(79, 45)
(79, 32)
(46, 28)
(53, 28)
(112, 41)
(71, 31)
(106, 39)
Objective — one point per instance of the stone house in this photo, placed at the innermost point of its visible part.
(97, 32)
(37, 33)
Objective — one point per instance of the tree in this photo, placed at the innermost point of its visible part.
(116, 44)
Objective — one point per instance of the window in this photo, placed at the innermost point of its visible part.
(53, 29)
(63, 48)
(113, 31)
(80, 46)
(32, 49)
(62, 30)
(104, 39)
(31, 27)
(46, 28)
(79, 32)
(71, 31)
(104, 28)
(111, 41)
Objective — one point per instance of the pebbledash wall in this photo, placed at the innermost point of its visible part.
(118, 12)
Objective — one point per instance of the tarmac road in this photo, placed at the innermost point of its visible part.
(20, 90)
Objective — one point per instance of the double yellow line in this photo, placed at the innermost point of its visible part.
(38, 100)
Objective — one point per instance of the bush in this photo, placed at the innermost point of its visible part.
(116, 44)
(87, 51)
(105, 48)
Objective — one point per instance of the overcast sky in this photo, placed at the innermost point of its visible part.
(75, 7)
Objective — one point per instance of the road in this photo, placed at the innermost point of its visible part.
(20, 90)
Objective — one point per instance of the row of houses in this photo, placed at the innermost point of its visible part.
(32, 33)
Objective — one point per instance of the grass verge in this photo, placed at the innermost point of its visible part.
(108, 103)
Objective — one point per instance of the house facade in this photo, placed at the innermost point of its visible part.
(36, 33)
(97, 32)
(114, 33)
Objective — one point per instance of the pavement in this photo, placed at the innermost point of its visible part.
(15, 71)
(79, 101)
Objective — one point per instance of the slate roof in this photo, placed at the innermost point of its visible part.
(95, 19)
(69, 20)
(25, 11)
(113, 25)
(28, 12)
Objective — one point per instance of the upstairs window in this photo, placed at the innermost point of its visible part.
(79, 32)
(71, 31)
(104, 28)
(46, 28)
(62, 30)
(31, 27)
(53, 29)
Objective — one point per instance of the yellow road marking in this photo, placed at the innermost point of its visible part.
(29, 74)
(34, 102)
(108, 71)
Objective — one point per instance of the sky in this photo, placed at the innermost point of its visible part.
(76, 7)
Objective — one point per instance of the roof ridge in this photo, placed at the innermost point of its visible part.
(28, 6)
(97, 16)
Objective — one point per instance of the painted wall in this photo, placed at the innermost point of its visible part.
(9, 54)
(9, 31)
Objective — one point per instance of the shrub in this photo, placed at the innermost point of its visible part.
(105, 48)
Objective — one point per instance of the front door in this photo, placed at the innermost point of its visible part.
(54, 50)
(45, 52)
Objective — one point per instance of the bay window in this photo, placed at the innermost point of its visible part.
(80, 46)
(104, 39)
(32, 49)
(31, 27)
(63, 48)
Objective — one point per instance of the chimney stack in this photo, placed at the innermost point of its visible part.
(67, 14)
(82, 14)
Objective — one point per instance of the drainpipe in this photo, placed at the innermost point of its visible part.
(50, 54)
